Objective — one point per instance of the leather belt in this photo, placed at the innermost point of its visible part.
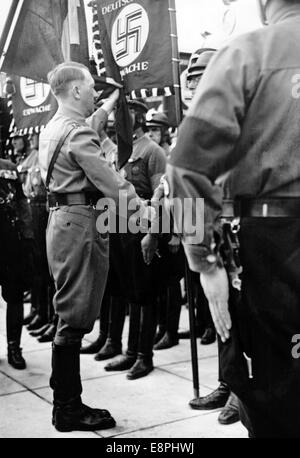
(38, 200)
(282, 207)
(56, 199)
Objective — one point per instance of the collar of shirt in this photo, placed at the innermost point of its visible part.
(287, 12)
(70, 112)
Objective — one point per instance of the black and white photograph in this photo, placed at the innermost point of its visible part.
(150, 222)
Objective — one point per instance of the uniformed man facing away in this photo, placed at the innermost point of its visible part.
(220, 397)
(70, 154)
(16, 237)
(243, 124)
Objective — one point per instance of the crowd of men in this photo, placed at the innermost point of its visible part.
(237, 148)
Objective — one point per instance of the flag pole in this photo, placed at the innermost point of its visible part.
(175, 62)
(188, 274)
(10, 23)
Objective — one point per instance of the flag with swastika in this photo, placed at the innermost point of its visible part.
(32, 104)
(135, 37)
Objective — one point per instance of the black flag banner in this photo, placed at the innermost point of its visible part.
(32, 104)
(135, 38)
(42, 34)
(123, 122)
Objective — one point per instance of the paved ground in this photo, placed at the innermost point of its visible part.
(152, 407)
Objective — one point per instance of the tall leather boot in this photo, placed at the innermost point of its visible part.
(69, 413)
(170, 337)
(126, 361)
(144, 363)
(113, 344)
(162, 310)
(40, 300)
(96, 346)
(47, 331)
(33, 308)
(14, 323)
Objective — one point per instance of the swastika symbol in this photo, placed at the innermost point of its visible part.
(33, 93)
(32, 89)
(132, 32)
(129, 34)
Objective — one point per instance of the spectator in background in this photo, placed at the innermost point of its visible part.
(20, 148)
(158, 129)
(43, 322)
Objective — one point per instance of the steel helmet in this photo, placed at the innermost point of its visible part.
(198, 65)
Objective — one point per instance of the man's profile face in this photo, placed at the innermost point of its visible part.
(155, 134)
(192, 83)
(87, 93)
(18, 143)
(34, 141)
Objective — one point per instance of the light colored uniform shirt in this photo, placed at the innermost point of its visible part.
(81, 165)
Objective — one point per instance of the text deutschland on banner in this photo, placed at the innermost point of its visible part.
(135, 34)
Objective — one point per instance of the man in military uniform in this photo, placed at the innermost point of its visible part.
(244, 125)
(15, 245)
(169, 301)
(158, 130)
(76, 175)
(221, 396)
(195, 71)
(139, 269)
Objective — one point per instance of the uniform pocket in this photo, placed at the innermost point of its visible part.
(82, 217)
